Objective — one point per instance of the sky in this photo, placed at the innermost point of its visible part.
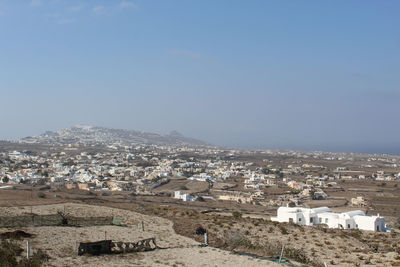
(307, 75)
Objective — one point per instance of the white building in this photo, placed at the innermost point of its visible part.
(184, 197)
(203, 179)
(355, 219)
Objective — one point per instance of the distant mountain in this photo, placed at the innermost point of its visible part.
(88, 135)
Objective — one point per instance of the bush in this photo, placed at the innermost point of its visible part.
(36, 260)
(236, 214)
(183, 187)
(283, 229)
(9, 251)
(299, 255)
(357, 234)
(238, 239)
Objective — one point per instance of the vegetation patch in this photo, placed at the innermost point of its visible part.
(10, 256)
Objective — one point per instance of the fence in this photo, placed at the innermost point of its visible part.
(55, 220)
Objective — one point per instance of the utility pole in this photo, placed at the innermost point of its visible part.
(28, 249)
(206, 238)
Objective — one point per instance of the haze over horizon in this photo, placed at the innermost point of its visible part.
(291, 75)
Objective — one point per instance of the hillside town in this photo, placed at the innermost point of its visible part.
(265, 177)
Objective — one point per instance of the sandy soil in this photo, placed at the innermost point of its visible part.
(61, 243)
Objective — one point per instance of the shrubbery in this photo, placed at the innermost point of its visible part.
(238, 239)
(41, 195)
(237, 214)
(9, 251)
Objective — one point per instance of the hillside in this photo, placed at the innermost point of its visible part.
(90, 135)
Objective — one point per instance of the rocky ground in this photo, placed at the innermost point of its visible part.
(61, 243)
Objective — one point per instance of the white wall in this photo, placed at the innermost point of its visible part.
(177, 194)
(371, 223)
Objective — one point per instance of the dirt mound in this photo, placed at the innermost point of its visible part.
(15, 235)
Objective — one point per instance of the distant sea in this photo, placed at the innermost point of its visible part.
(395, 150)
(365, 149)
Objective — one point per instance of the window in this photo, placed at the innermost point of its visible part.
(326, 220)
(356, 225)
(291, 220)
(320, 220)
(311, 220)
(299, 219)
(348, 226)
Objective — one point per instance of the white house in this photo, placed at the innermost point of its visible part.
(58, 179)
(184, 197)
(355, 219)
(202, 179)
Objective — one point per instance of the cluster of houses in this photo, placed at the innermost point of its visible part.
(259, 181)
(142, 168)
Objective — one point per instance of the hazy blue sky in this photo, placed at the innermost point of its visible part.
(278, 74)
